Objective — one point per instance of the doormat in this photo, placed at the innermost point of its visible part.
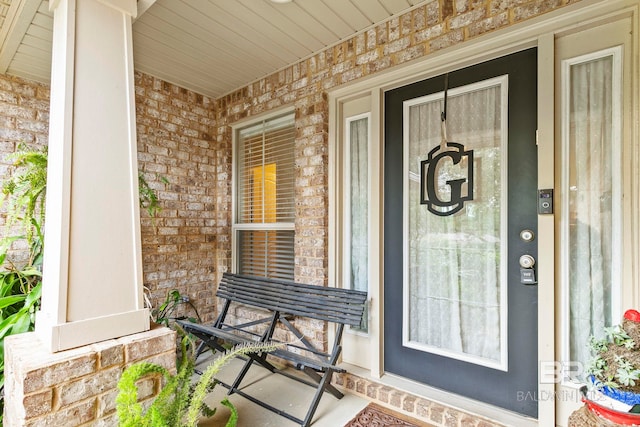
(377, 416)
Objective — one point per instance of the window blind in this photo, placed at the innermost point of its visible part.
(265, 195)
(266, 253)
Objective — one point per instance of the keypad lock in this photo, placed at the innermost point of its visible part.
(527, 272)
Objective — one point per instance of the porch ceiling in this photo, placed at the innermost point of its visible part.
(209, 46)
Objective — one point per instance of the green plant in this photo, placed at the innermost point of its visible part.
(609, 368)
(626, 373)
(23, 194)
(148, 196)
(180, 403)
(23, 198)
(164, 314)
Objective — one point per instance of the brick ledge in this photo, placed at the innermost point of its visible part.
(410, 404)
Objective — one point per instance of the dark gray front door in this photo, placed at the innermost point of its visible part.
(457, 316)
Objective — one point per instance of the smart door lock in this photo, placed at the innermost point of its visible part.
(527, 272)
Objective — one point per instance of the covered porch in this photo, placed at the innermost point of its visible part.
(187, 92)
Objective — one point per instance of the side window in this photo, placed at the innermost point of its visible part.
(592, 185)
(356, 215)
(263, 226)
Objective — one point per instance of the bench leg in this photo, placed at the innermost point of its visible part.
(325, 382)
(240, 377)
(317, 377)
(202, 347)
(212, 343)
(261, 360)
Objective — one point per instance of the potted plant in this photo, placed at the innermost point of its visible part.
(614, 372)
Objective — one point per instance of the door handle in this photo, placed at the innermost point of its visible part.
(527, 261)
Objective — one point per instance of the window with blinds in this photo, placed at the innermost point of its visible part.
(265, 190)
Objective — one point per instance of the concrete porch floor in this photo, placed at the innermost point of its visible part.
(399, 395)
(279, 391)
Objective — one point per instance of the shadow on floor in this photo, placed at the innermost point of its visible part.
(279, 391)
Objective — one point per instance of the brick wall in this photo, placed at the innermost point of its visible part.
(79, 386)
(24, 119)
(175, 142)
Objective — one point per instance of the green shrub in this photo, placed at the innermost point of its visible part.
(180, 403)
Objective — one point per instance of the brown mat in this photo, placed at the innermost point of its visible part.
(377, 416)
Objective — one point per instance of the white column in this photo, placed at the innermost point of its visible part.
(92, 285)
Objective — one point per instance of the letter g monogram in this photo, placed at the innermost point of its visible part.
(429, 194)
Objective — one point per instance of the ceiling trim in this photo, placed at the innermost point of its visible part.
(14, 28)
(143, 6)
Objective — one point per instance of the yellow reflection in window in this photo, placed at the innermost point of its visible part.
(264, 192)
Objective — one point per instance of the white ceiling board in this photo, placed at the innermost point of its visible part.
(175, 27)
(179, 65)
(194, 81)
(274, 33)
(43, 19)
(327, 16)
(30, 67)
(295, 23)
(214, 47)
(39, 66)
(148, 37)
(32, 51)
(395, 6)
(41, 33)
(347, 10)
(38, 43)
(14, 26)
(373, 10)
(143, 6)
(213, 34)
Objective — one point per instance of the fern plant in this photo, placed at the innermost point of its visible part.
(180, 403)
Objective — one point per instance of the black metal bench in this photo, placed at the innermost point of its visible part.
(281, 302)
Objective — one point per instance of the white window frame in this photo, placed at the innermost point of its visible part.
(235, 226)
(616, 209)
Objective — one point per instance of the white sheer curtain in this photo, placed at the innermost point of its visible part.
(590, 202)
(454, 277)
(359, 187)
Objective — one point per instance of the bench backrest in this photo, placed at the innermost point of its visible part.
(328, 304)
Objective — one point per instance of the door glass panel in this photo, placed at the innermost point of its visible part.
(357, 236)
(455, 272)
(592, 182)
